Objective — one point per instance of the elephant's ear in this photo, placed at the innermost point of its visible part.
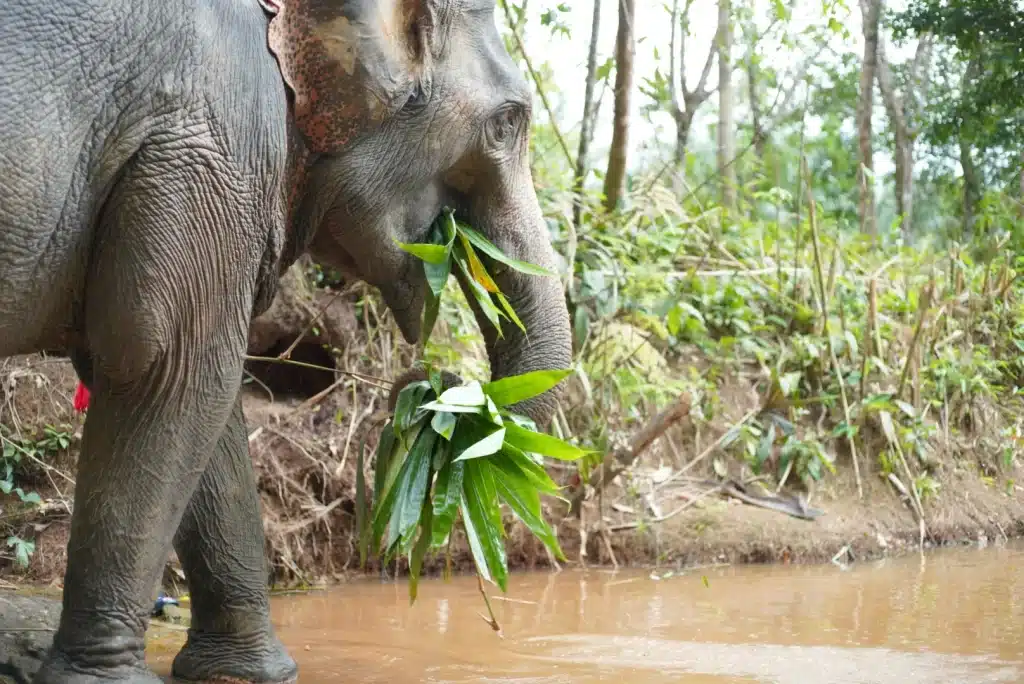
(350, 63)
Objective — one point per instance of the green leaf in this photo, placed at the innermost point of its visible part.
(431, 309)
(764, 448)
(412, 489)
(494, 413)
(482, 520)
(396, 474)
(470, 394)
(31, 497)
(484, 447)
(432, 254)
(446, 498)
(420, 550)
(437, 275)
(518, 492)
(516, 388)
(538, 442)
(518, 464)
(443, 424)
(510, 311)
(361, 527)
(450, 408)
(408, 403)
(485, 246)
(385, 452)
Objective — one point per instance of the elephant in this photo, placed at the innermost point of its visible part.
(163, 162)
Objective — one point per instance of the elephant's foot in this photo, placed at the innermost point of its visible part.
(232, 659)
(107, 653)
(61, 669)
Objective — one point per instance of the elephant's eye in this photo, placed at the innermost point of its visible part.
(417, 99)
(503, 124)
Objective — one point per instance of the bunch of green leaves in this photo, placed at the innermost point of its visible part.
(452, 242)
(459, 454)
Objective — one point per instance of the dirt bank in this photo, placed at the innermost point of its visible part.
(307, 425)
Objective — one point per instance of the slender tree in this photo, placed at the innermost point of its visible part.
(625, 49)
(903, 109)
(726, 117)
(685, 102)
(587, 124)
(870, 9)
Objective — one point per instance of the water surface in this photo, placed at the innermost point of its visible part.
(955, 617)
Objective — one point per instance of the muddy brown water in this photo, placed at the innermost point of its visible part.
(957, 616)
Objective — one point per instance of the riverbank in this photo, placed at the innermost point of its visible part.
(304, 456)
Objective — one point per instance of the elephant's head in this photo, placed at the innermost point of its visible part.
(411, 106)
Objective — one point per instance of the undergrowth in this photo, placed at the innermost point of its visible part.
(899, 359)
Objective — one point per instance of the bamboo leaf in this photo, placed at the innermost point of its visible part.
(362, 528)
(446, 498)
(517, 463)
(516, 388)
(420, 549)
(432, 254)
(470, 394)
(482, 520)
(411, 489)
(443, 424)
(476, 267)
(484, 447)
(510, 311)
(408, 404)
(483, 298)
(450, 408)
(485, 246)
(538, 442)
(431, 309)
(518, 492)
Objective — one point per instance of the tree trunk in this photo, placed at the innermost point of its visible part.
(726, 132)
(684, 122)
(870, 9)
(615, 177)
(587, 124)
(972, 189)
(901, 111)
(756, 117)
(972, 183)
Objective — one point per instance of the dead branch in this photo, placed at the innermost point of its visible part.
(623, 458)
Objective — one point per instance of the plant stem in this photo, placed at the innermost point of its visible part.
(812, 217)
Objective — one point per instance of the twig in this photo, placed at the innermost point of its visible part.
(620, 460)
(671, 514)
(709, 450)
(492, 621)
(812, 215)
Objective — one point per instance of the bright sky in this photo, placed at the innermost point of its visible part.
(652, 34)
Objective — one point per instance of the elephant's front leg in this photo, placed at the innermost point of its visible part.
(220, 545)
(144, 448)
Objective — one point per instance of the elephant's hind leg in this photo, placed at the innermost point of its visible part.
(220, 545)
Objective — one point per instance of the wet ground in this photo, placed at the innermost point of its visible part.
(954, 617)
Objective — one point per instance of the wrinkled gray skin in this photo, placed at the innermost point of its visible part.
(161, 164)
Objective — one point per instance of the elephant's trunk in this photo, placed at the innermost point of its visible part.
(538, 301)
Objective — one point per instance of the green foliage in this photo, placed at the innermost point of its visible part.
(459, 454)
(22, 457)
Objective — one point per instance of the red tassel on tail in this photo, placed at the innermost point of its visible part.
(81, 398)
